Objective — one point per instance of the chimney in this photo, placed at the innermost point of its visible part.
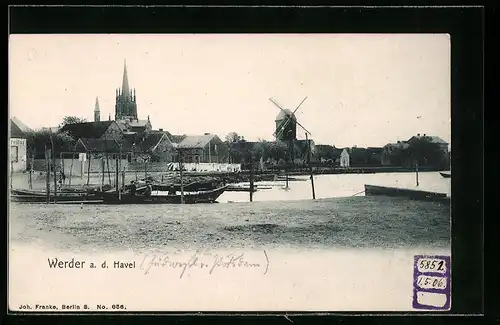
(418, 134)
(207, 133)
(424, 134)
(161, 130)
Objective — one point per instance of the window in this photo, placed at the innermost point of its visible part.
(14, 153)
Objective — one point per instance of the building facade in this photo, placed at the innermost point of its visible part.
(344, 158)
(18, 147)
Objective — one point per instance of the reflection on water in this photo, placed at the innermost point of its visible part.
(341, 185)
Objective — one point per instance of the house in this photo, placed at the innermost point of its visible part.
(91, 155)
(100, 147)
(430, 150)
(23, 127)
(154, 146)
(374, 156)
(134, 125)
(344, 158)
(358, 157)
(18, 146)
(106, 130)
(301, 151)
(206, 148)
(327, 154)
(392, 153)
(443, 145)
(53, 129)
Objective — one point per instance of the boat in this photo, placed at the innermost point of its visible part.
(143, 196)
(373, 190)
(240, 188)
(19, 195)
(190, 187)
(445, 175)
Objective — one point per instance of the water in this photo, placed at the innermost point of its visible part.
(340, 185)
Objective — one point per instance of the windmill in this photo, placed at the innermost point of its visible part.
(286, 131)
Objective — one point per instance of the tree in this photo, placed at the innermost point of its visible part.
(232, 137)
(278, 151)
(427, 153)
(37, 141)
(72, 120)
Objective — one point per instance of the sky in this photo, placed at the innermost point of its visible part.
(361, 89)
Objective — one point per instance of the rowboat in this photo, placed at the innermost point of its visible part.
(445, 175)
(190, 187)
(143, 196)
(373, 190)
(19, 195)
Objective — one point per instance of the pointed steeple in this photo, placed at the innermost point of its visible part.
(97, 111)
(125, 87)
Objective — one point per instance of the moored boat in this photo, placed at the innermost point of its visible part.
(144, 196)
(373, 190)
(445, 175)
(20, 195)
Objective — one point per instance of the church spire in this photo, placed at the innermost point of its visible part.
(97, 111)
(125, 87)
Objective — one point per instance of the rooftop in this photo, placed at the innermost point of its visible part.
(285, 114)
(87, 130)
(196, 141)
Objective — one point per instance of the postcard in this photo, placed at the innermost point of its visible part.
(229, 172)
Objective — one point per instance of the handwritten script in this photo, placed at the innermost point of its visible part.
(202, 261)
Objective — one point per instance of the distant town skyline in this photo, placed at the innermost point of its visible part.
(363, 90)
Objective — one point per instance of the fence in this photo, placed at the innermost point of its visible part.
(78, 168)
(81, 167)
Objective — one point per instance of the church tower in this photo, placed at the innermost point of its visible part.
(97, 111)
(126, 107)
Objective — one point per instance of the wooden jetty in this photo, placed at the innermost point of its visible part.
(373, 190)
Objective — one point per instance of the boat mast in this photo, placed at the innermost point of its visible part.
(181, 167)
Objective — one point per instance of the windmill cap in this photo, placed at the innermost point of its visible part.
(284, 114)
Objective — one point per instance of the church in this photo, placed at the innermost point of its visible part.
(125, 109)
(136, 138)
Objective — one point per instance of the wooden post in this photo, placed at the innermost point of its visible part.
(145, 168)
(251, 179)
(47, 173)
(71, 169)
(181, 167)
(54, 167)
(416, 170)
(82, 165)
(11, 171)
(116, 180)
(123, 179)
(88, 167)
(62, 168)
(31, 170)
(103, 172)
(109, 172)
(310, 166)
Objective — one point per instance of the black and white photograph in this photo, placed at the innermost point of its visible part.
(229, 172)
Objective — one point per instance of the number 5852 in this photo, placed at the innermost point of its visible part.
(431, 265)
